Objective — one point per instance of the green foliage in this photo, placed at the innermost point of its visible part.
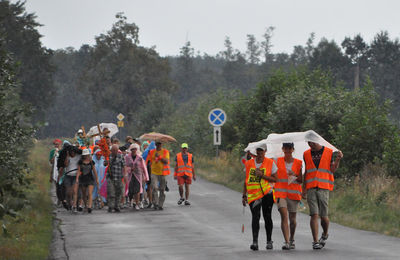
(18, 29)
(15, 136)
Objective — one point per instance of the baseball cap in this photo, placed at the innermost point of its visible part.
(80, 131)
(184, 145)
(57, 141)
(86, 152)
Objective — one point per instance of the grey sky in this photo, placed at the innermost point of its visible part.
(167, 23)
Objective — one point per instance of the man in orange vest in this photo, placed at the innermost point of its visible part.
(257, 191)
(159, 163)
(288, 192)
(184, 172)
(318, 181)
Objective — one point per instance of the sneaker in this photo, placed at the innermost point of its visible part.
(137, 207)
(269, 245)
(292, 245)
(80, 208)
(317, 245)
(160, 208)
(323, 239)
(150, 205)
(109, 210)
(187, 203)
(155, 207)
(141, 206)
(180, 201)
(89, 210)
(74, 210)
(65, 205)
(254, 246)
(117, 210)
(285, 246)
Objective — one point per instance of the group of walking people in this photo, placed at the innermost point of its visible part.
(119, 176)
(280, 180)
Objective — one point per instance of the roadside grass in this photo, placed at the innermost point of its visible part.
(30, 233)
(369, 202)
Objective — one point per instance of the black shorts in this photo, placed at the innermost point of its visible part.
(69, 180)
(86, 180)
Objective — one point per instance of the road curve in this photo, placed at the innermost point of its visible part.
(208, 229)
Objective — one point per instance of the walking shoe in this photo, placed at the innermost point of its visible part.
(89, 210)
(65, 205)
(137, 207)
(180, 201)
(155, 207)
(80, 208)
(160, 208)
(117, 210)
(269, 245)
(187, 203)
(166, 188)
(323, 239)
(292, 245)
(285, 246)
(109, 209)
(74, 210)
(149, 206)
(141, 205)
(254, 246)
(317, 245)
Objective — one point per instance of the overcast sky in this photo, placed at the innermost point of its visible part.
(205, 23)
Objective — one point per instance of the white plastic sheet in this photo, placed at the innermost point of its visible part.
(113, 128)
(274, 143)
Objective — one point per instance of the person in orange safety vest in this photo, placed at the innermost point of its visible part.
(318, 181)
(184, 172)
(288, 192)
(257, 191)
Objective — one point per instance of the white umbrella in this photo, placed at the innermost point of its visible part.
(299, 139)
(113, 128)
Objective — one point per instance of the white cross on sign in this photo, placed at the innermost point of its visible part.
(217, 117)
(120, 117)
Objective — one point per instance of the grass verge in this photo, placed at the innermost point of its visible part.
(30, 233)
(369, 202)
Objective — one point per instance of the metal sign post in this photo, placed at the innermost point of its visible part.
(217, 118)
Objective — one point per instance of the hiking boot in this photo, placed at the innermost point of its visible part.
(317, 245)
(285, 246)
(323, 239)
(269, 245)
(180, 201)
(292, 245)
(109, 210)
(254, 246)
(117, 210)
(187, 203)
(89, 210)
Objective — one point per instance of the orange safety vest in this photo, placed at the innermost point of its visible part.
(256, 186)
(321, 177)
(166, 170)
(282, 188)
(184, 169)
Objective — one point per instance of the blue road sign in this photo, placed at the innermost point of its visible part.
(217, 117)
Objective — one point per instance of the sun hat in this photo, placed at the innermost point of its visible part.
(86, 152)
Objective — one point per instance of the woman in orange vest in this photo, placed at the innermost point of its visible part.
(184, 172)
(288, 192)
(257, 191)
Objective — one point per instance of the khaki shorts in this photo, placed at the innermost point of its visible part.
(291, 205)
(317, 200)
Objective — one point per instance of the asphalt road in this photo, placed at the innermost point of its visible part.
(208, 229)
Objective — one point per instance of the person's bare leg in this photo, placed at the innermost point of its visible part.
(75, 194)
(293, 224)
(284, 223)
(149, 194)
(70, 195)
(137, 198)
(187, 190)
(314, 226)
(181, 190)
(90, 196)
(325, 225)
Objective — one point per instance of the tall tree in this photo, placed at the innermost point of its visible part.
(356, 50)
(253, 50)
(18, 29)
(266, 44)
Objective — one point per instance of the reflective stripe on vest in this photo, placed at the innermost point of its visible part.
(322, 177)
(282, 188)
(184, 169)
(256, 186)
